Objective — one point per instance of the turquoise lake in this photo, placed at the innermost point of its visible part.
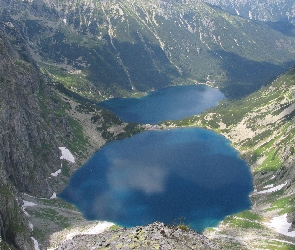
(163, 175)
(170, 103)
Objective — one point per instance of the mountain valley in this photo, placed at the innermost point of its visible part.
(59, 58)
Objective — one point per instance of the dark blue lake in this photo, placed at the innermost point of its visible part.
(170, 103)
(165, 175)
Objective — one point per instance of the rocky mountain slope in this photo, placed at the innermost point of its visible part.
(263, 10)
(23, 133)
(113, 48)
(261, 126)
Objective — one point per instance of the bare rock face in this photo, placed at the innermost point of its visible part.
(153, 236)
(22, 128)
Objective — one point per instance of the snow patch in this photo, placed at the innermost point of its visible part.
(100, 227)
(66, 154)
(53, 196)
(31, 226)
(26, 213)
(273, 189)
(281, 225)
(55, 174)
(36, 244)
(27, 204)
(95, 229)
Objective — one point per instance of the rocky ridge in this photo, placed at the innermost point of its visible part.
(153, 236)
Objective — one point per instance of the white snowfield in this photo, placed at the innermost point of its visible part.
(36, 244)
(281, 225)
(55, 174)
(27, 204)
(95, 229)
(272, 189)
(53, 196)
(66, 155)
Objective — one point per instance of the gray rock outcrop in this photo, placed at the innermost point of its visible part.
(153, 236)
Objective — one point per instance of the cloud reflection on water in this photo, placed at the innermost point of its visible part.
(163, 175)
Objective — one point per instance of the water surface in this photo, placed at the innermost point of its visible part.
(170, 103)
(165, 175)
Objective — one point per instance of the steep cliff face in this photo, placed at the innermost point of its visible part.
(25, 160)
(23, 131)
(36, 118)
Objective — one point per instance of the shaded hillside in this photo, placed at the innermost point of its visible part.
(114, 48)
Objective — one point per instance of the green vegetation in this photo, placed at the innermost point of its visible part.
(249, 215)
(271, 163)
(4, 245)
(183, 227)
(11, 209)
(242, 223)
(5, 192)
(52, 215)
(24, 65)
(276, 245)
(245, 219)
(39, 234)
(75, 138)
(59, 203)
(114, 227)
(285, 205)
(65, 170)
(129, 130)
(80, 141)
(180, 223)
